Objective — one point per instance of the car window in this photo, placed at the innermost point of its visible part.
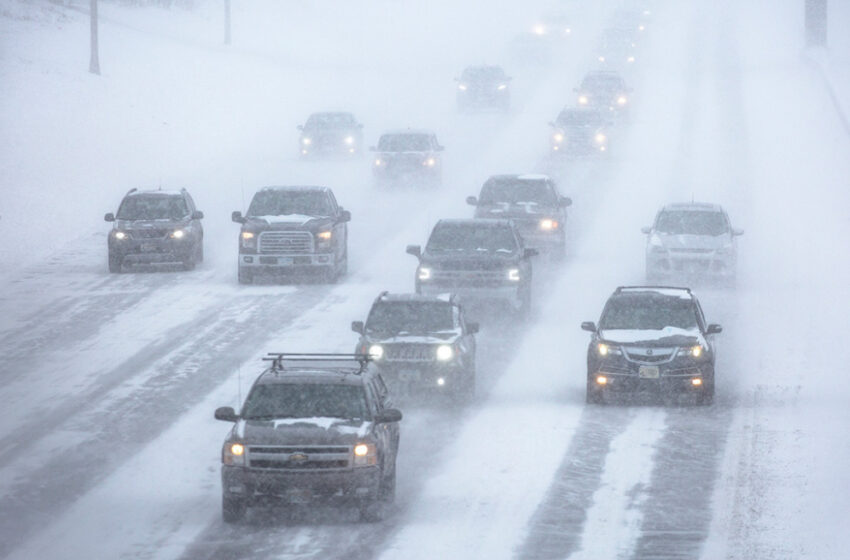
(154, 207)
(409, 317)
(648, 313)
(305, 400)
(283, 203)
(404, 143)
(517, 191)
(682, 222)
(467, 238)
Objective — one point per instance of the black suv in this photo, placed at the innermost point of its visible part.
(533, 203)
(293, 229)
(651, 339)
(482, 260)
(483, 87)
(421, 341)
(408, 156)
(310, 433)
(606, 90)
(156, 227)
(331, 133)
(581, 132)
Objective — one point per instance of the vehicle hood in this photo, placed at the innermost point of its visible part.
(289, 221)
(302, 431)
(687, 241)
(469, 261)
(520, 211)
(666, 337)
(419, 338)
(149, 224)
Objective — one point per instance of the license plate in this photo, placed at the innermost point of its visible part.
(648, 372)
(148, 247)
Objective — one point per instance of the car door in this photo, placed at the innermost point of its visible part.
(339, 229)
(387, 432)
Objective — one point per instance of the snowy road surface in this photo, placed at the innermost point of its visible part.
(109, 448)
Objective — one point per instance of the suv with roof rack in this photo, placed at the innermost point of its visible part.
(421, 341)
(155, 226)
(478, 259)
(299, 230)
(312, 430)
(651, 339)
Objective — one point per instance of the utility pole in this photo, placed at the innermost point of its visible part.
(226, 22)
(816, 23)
(94, 63)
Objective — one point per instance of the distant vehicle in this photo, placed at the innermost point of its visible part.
(421, 342)
(635, 18)
(554, 26)
(331, 133)
(533, 203)
(606, 90)
(298, 230)
(480, 260)
(155, 226)
(310, 433)
(581, 132)
(483, 87)
(691, 241)
(617, 48)
(408, 157)
(651, 339)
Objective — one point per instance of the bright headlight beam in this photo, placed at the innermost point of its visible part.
(424, 273)
(376, 351)
(513, 275)
(306, 141)
(324, 235)
(582, 100)
(120, 235)
(178, 234)
(548, 224)
(237, 449)
(445, 353)
(361, 449)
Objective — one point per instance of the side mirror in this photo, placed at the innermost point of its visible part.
(737, 231)
(529, 252)
(472, 201)
(414, 250)
(197, 215)
(344, 216)
(236, 216)
(589, 326)
(110, 217)
(713, 329)
(226, 413)
(387, 416)
(300, 127)
(357, 326)
(647, 230)
(565, 201)
(473, 328)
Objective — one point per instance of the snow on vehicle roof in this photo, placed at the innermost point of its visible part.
(684, 293)
(305, 188)
(416, 297)
(476, 222)
(520, 177)
(408, 131)
(695, 206)
(312, 374)
(154, 192)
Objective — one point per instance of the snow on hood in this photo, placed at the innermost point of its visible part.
(518, 208)
(433, 338)
(667, 335)
(689, 241)
(318, 429)
(292, 219)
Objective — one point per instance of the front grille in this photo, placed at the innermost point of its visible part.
(470, 278)
(305, 457)
(657, 355)
(149, 233)
(286, 242)
(409, 353)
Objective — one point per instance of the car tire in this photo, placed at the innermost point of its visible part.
(706, 398)
(233, 510)
(200, 255)
(189, 263)
(245, 277)
(115, 263)
(593, 395)
(466, 391)
(524, 309)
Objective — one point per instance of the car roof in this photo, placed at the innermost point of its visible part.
(157, 192)
(296, 188)
(665, 291)
(476, 222)
(693, 207)
(332, 114)
(416, 298)
(312, 375)
(399, 131)
(521, 177)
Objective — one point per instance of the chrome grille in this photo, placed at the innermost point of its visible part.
(302, 457)
(286, 242)
(650, 355)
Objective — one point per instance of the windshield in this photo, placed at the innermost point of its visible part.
(330, 120)
(404, 143)
(601, 82)
(692, 223)
(484, 73)
(282, 203)
(468, 238)
(155, 207)
(648, 313)
(410, 317)
(580, 118)
(518, 191)
(306, 400)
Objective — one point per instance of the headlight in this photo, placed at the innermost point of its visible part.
(539, 29)
(601, 59)
(630, 59)
(693, 351)
(306, 141)
(324, 235)
(120, 235)
(424, 273)
(365, 454)
(248, 239)
(622, 100)
(379, 162)
(430, 162)
(558, 137)
(582, 100)
(607, 350)
(502, 86)
(600, 138)
(376, 351)
(178, 234)
(567, 31)
(233, 454)
(349, 140)
(513, 274)
(461, 87)
(548, 224)
(445, 353)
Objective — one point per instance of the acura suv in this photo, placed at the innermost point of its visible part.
(483, 260)
(533, 203)
(298, 230)
(312, 430)
(651, 339)
(421, 342)
(693, 241)
(155, 226)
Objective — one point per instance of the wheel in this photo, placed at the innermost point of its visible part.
(200, 255)
(593, 395)
(189, 263)
(233, 509)
(466, 390)
(524, 309)
(115, 263)
(375, 509)
(245, 277)
(707, 396)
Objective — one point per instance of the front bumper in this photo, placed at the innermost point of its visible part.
(644, 378)
(269, 486)
(690, 264)
(150, 251)
(306, 262)
(426, 375)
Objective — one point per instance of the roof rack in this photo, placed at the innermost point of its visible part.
(621, 288)
(278, 358)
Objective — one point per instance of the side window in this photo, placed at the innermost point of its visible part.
(190, 203)
(332, 202)
(457, 318)
(382, 392)
(700, 316)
